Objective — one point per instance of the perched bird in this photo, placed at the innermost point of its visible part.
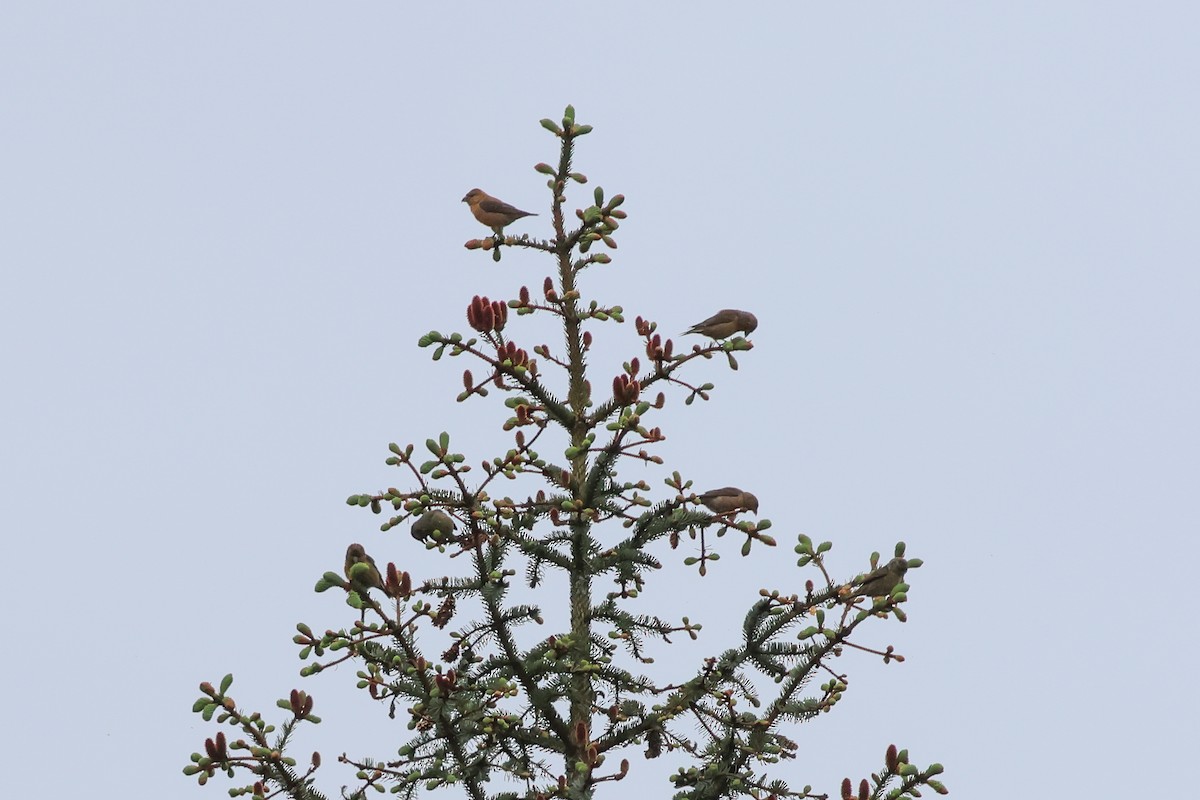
(492, 212)
(725, 323)
(437, 524)
(729, 500)
(362, 579)
(880, 582)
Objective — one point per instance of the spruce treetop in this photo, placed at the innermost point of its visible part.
(495, 706)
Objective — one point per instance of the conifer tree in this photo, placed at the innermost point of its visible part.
(498, 708)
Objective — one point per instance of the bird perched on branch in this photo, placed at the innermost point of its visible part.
(363, 578)
(437, 524)
(729, 500)
(492, 212)
(725, 323)
(881, 581)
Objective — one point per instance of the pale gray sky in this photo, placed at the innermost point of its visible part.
(969, 232)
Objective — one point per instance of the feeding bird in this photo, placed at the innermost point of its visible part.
(725, 323)
(881, 581)
(363, 578)
(729, 500)
(437, 524)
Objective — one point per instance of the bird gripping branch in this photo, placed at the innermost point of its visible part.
(493, 212)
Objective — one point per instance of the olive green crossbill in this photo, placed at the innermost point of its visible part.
(492, 212)
(880, 582)
(729, 500)
(437, 524)
(363, 578)
(725, 323)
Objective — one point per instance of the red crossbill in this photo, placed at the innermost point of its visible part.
(437, 524)
(880, 582)
(363, 578)
(492, 212)
(725, 323)
(729, 500)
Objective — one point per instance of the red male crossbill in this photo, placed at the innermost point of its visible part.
(492, 212)
(725, 323)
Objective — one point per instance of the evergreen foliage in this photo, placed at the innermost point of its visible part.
(499, 711)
